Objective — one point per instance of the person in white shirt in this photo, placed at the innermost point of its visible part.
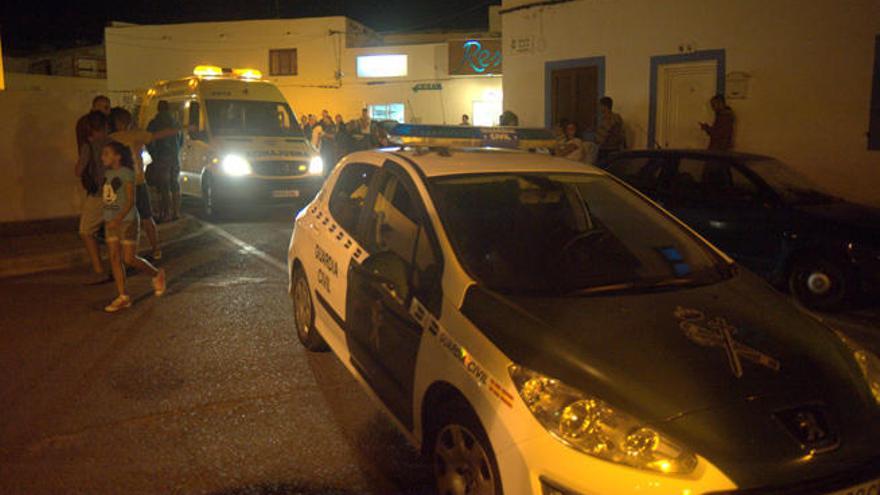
(317, 132)
(572, 147)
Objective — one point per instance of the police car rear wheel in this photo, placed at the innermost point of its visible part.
(462, 455)
(304, 313)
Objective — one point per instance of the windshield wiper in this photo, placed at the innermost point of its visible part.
(638, 286)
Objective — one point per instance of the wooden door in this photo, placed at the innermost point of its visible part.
(575, 96)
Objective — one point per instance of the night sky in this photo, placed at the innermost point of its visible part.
(29, 25)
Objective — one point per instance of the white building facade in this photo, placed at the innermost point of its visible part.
(330, 63)
(800, 76)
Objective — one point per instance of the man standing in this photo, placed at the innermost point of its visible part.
(90, 170)
(362, 137)
(721, 131)
(99, 104)
(166, 158)
(609, 137)
(136, 140)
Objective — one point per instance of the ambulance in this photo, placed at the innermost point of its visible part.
(538, 327)
(244, 145)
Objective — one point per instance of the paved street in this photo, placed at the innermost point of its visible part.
(205, 390)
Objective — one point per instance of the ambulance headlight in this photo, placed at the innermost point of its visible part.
(316, 166)
(236, 166)
(869, 365)
(593, 427)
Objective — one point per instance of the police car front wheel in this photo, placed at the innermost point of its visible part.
(304, 313)
(462, 456)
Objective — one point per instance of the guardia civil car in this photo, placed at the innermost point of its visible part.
(537, 326)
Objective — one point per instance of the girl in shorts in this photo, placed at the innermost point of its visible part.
(121, 223)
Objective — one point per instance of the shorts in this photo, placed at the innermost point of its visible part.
(128, 232)
(92, 215)
(142, 202)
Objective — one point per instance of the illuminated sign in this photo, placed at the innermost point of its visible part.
(382, 66)
(2, 82)
(475, 57)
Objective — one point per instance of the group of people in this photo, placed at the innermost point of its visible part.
(610, 136)
(334, 138)
(117, 199)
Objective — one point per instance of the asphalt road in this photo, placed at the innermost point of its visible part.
(205, 390)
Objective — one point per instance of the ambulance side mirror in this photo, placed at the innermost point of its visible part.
(194, 121)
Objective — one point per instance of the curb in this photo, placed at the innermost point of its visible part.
(75, 257)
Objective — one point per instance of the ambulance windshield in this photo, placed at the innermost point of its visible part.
(252, 118)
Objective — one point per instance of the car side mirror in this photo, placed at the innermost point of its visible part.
(387, 271)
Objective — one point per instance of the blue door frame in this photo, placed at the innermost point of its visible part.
(549, 67)
(874, 118)
(657, 61)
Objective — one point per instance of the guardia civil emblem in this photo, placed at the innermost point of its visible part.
(718, 332)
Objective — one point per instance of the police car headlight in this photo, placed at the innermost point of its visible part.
(235, 166)
(316, 166)
(868, 363)
(593, 427)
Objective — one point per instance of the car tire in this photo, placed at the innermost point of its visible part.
(460, 452)
(818, 283)
(304, 313)
(209, 199)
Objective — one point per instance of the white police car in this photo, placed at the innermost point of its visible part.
(536, 326)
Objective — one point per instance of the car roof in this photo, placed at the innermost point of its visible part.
(736, 155)
(433, 162)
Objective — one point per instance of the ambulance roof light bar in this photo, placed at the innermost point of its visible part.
(451, 136)
(216, 71)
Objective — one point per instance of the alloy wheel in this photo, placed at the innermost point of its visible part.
(302, 307)
(461, 463)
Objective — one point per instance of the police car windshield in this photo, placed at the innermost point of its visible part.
(567, 233)
(252, 118)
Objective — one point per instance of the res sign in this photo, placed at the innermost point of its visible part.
(475, 57)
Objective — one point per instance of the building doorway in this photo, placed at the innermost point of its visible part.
(681, 87)
(486, 112)
(572, 92)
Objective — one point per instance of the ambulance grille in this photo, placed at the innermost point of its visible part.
(280, 168)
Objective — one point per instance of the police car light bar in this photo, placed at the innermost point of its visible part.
(454, 136)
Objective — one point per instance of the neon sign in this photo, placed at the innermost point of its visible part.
(480, 57)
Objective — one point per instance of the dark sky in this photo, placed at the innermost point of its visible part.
(29, 25)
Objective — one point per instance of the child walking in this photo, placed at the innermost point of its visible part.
(121, 224)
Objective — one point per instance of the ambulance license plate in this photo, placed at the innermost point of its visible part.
(869, 488)
(285, 194)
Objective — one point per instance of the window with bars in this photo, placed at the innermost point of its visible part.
(282, 62)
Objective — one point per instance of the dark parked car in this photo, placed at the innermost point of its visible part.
(766, 216)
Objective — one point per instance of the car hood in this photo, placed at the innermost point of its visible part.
(850, 218)
(660, 356)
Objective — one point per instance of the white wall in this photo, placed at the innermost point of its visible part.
(139, 55)
(810, 62)
(38, 144)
